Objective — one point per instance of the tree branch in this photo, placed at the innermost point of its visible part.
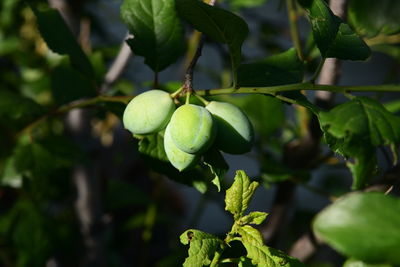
(300, 86)
(118, 66)
(188, 83)
(329, 75)
(271, 90)
(188, 80)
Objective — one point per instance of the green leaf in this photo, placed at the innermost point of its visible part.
(259, 109)
(7, 11)
(32, 160)
(301, 100)
(362, 118)
(158, 34)
(239, 195)
(334, 38)
(362, 225)
(220, 25)
(392, 106)
(17, 111)
(370, 18)
(254, 217)
(151, 148)
(239, 4)
(217, 164)
(245, 262)
(358, 263)
(262, 255)
(284, 68)
(202, 247)
(30, 233)
(61, 40)
(67, 85)
(10, 176)
(355, 129)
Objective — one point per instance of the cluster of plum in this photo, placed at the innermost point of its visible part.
(190, 130)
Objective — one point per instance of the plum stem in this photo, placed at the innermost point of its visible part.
(177, 92)
(204, 101)
(188, 93)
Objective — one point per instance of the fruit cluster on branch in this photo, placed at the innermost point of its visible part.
(189, 130)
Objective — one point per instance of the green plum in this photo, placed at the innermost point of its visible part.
(235, 131)
(179, 159)
(192, 128)
(148, 112)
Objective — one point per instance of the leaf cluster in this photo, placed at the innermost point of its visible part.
(207, 250)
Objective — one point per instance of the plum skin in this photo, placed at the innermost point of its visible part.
(148, 112)
(179, 159)
(235, 131)
(192, 128)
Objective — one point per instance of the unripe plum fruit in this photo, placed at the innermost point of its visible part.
(192, 128)
(179, 159)
(148, 112)
(235, 131)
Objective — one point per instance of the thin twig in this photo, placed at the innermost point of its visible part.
(300, 86)
(188, 81)
(294, 29)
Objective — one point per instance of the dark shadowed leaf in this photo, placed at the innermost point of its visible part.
(284, 68)
(219, 24)
(17, 111)
(158, 34)
(39, 159)
(370, 17)
(217, 164)
(151, 148)
(334, 38)
(60, 39)
(67, 85)
(259, 109)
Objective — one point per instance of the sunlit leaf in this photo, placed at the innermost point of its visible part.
(262, 255)
(158, 34)
(202, 247)
(239, 195)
